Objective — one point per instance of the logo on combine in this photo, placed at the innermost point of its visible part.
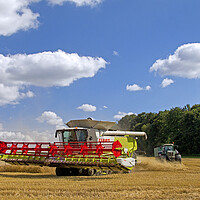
(104, 140)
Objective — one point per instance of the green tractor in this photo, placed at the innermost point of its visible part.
(167, 152)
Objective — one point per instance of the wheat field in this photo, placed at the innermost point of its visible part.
(150, 179)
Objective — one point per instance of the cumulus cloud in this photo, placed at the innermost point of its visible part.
(105, 107)
(148, 87)
(91, 3)
(136, 87)
(87, 108)
(52, 119)
(16, 15)
(11, 94)
(60, 68)
(11, 136)
(185, 62)
(44, 69)
(30, 136)
(166, 82)
(122, 114)
(115, 53)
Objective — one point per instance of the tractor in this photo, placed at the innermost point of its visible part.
(167, 152)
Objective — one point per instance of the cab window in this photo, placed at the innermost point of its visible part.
(69, 136)
(81, 135)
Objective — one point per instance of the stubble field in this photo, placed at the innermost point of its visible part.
(149, 180)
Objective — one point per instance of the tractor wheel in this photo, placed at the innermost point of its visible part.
(178, 158)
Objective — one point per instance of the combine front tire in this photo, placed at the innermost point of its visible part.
(60, 171)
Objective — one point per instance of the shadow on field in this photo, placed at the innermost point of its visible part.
(51, 176)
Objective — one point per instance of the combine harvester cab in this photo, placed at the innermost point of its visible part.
(87, 147)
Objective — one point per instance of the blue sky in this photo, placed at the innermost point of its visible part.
(73, 59)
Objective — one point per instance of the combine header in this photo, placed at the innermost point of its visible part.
(87, 147)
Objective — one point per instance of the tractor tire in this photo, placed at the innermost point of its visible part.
(163, 158)
(178, 158)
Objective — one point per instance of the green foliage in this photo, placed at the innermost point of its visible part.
(178, 125)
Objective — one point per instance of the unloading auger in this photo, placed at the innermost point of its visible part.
(87, 147)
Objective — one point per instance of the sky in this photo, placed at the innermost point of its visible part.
(104, 59)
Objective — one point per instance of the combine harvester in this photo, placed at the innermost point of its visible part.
(87, 147)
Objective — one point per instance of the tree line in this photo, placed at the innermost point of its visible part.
(178, 125)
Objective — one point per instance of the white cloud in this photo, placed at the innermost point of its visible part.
(122, 114)
(115, 53)
(136, 87)
(91, 3)
(185, 62)
(44, 69)
(166, 82)
(148, 87)
(30, 94)
(52, 119)
(11, 136)
(44, 136)
(87, 108)
(30, 136)
(105, 107)
(133, 87)
(15, 15)
(11, 94)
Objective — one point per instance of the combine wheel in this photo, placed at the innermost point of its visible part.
(66, 171)
(107, 172)
(75, 171)
(60, 171)
(98, 173)
(91, 172)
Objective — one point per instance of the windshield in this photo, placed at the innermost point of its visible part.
(75, 136)
(69, 136)
(81, 135)
(169, 148)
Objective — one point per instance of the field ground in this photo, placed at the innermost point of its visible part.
(149, 180)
